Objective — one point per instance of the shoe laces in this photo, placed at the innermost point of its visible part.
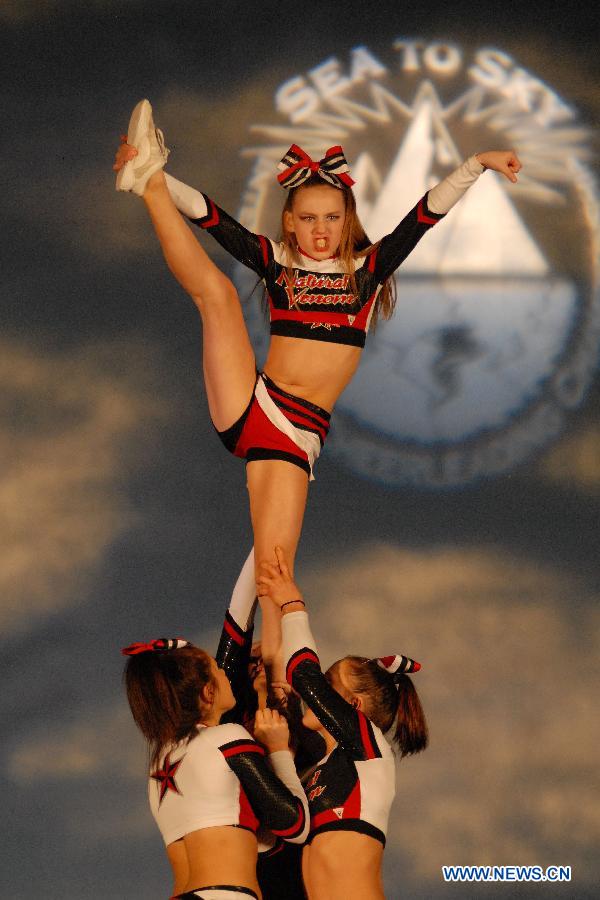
(161, 142)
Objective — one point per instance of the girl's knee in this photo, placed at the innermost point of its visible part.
(217, 298)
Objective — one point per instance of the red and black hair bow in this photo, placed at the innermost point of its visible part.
(296, 167)
(156, 645)
(398, 665)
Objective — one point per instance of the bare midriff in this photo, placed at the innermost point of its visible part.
(317, 371)
(221, 855)
(343, 866)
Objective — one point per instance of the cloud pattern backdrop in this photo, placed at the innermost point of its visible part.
(68, 423)
(122, 518)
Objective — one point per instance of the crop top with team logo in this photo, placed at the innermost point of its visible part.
(314, 299)
(352, 788)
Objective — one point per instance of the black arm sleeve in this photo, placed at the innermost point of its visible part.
(273, 803)
(393, 249)
(348, 726)
(233, 656)
(252, 250)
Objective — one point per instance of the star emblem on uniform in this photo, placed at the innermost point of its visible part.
(165, 776)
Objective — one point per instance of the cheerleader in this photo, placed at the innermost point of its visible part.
(209, 783)
(350, 790)
(325, 284)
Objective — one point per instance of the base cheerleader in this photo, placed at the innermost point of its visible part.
(351, 789)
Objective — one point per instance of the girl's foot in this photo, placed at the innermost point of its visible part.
(151, 151)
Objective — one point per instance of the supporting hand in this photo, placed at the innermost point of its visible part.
(276, 583)
(271, 729)
(123, 154)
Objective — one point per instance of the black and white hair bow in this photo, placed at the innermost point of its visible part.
(296, 167)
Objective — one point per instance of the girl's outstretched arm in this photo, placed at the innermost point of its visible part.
(391, 251)
(442, 197)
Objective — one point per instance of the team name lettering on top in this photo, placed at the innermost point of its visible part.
(299, 305)
(299, 288)
(313, 779)
(316, 792)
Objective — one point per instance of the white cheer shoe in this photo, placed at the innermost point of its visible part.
(151, 151)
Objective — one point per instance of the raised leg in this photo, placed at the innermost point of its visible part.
(228, 357)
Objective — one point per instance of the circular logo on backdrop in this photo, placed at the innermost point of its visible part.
(495, 334)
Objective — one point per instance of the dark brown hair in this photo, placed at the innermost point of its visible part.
(388, 700)
(163, 690)
(354, 244)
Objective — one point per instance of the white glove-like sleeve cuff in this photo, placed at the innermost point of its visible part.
(444, 195)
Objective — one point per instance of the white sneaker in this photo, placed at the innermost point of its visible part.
(149, 143)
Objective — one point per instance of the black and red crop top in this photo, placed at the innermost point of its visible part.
(311, 298)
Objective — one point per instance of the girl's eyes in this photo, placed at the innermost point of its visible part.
(333, 218)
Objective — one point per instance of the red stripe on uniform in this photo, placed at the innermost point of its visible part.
(275, 394)
(242, 748)
(302, 657)
(322, 818)
(233, 633)
(427, 220)
(214, 219)
(303, 422)
(296, 827)
(366, 737)
(352, 804)
(360, 321)
(248, 817)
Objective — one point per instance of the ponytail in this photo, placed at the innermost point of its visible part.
(411, 734)
(390, 699)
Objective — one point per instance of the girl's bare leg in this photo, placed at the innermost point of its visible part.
(228, 357)
(278, 493)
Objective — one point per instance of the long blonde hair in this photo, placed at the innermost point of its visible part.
(354, 244)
